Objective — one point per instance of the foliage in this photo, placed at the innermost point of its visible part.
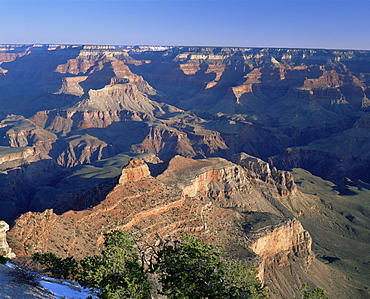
(189, 268)
(317, 293)
(3, 260)
(59, 268)
(242, 282)
(116, 273)
(194, 269)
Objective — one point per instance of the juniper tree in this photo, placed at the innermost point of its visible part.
(116, 273)
(197, 270)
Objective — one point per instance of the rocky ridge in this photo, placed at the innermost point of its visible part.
(211, 198)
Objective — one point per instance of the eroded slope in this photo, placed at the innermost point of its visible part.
(214, 199)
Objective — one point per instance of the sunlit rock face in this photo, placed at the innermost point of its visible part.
(213, 199)
(134, 171)
(282, 245)
(257, 168)
(5, 250)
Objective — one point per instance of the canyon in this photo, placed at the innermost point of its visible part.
(262, 150)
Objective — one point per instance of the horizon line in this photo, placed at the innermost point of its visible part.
(179, 46)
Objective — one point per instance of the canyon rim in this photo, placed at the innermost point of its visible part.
(264, 150)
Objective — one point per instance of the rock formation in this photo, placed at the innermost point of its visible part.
(5, 250)
(207, 119)
(211, 198)
(81, 150)
(134, 171)
(304, 94)
(19, 132)
(256, 167)
(214, 178)
(281, 245)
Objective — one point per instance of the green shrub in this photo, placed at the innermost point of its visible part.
(189, 268)
(317, 293)
(116, 273)
(60, 268)
(194, 269)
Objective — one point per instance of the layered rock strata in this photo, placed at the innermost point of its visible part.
(260, 169)
(135, 170)
(214, 178)
(207, 187)
(213, 199)
(280, 246)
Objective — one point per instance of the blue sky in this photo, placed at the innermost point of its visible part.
(333, 24)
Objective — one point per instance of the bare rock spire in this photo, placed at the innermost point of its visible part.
(5, 250)
(135, 170)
